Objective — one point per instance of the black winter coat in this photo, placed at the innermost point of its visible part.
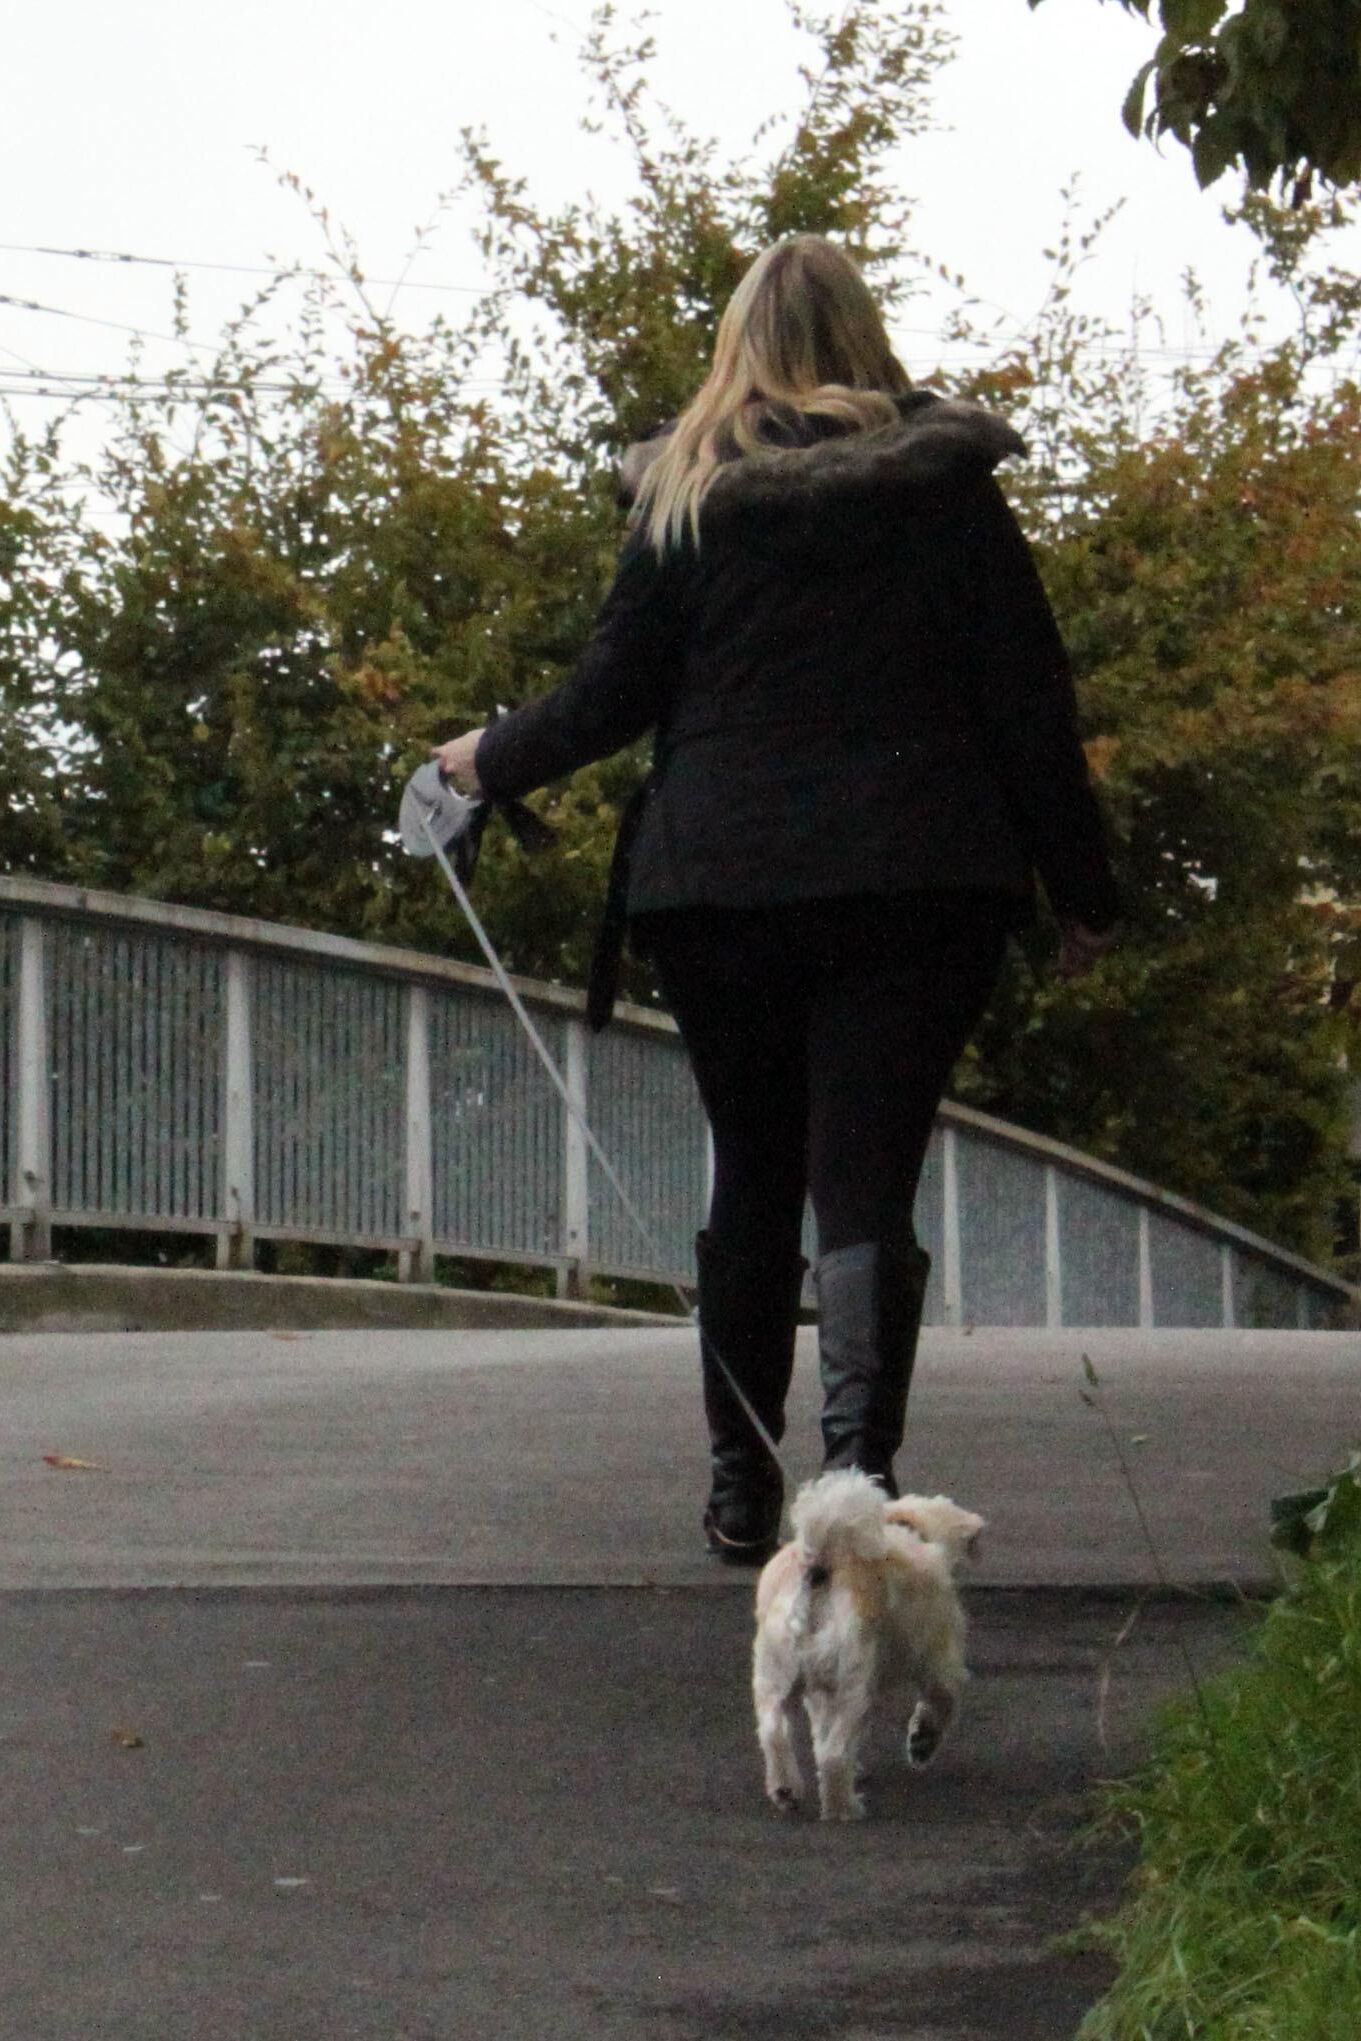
(856, 684)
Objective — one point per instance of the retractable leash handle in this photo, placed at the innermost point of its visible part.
(435, 818)
(433, 810)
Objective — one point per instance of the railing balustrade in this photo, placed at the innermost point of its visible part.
(168, 1069)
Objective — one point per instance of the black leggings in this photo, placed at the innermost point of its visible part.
(822, 1035)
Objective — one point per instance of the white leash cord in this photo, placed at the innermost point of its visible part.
(521, 1013)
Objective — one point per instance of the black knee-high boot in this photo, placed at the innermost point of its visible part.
(870, 1300)
(748, 1314)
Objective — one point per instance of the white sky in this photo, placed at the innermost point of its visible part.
(132, 127)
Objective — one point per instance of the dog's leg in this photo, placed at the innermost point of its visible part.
(773, 1692)
(838, 1721)
(930, 1719)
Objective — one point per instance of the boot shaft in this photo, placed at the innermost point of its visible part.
(870, 1302)
(748, 1318)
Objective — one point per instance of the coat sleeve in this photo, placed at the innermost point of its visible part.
(617, 690)
(1022, 696)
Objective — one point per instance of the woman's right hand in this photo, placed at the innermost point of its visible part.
(458, 762)
(1081, 947)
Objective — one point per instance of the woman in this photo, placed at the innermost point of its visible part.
(866, 745)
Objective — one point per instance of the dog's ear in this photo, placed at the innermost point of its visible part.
(939, 1521)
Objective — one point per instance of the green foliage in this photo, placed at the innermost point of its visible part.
(31, 822)
(1271, 86)
(1243, 1919)
(302, 570)
(1320, 1520)
(635, 297)
(330, 547)
(1200, 551)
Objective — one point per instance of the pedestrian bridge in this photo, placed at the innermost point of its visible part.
(166, 1069)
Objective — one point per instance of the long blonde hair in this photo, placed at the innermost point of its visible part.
(801, 330)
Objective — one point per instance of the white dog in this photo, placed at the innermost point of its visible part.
(861, 1603)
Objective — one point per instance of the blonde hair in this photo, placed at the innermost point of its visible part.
(801, 331)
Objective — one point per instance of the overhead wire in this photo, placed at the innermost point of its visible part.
(78, 385)
(114, 325)
(1112, 343)
(123, 257)
(62, 385)
(51, 385)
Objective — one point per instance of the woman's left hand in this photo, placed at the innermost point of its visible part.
(457, 762)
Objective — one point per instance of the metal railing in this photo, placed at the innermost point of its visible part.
(167, 1069)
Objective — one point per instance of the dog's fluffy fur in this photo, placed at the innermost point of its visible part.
(860, 1604)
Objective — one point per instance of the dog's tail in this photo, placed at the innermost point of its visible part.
(839, 1517)
(836, 1518)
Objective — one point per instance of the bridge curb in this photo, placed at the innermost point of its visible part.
(67, 1297)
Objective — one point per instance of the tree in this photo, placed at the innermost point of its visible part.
(1204, 566)
(322, 551)
(1202, 558)
(1273, 86)
(228, 638)
(31, 823)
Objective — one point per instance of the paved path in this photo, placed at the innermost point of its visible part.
(576, 1457)
(337, 1791)
(532, 1815)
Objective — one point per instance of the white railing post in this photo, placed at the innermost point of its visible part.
(236, 1249)
(31, 1238)
(1145, 1269)
(417, 1264)
(1227, 1313)
(576, 1182)
(1053, 1249)
(952, 1281)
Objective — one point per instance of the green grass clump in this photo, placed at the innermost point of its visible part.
(1243, 1920)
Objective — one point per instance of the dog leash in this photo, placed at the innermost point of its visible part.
(537, 1043)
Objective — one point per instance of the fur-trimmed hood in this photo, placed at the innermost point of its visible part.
(811, 491)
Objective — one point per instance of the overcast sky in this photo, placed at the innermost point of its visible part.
(132, 129)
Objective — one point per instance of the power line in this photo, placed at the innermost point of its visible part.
(31, 380)
(1114, 343)
(14, 355)
(109, 379)
(118, 325)
(59, 385)
(120, 256)
(115, 325)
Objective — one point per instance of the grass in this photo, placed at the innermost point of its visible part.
(1243, 1917)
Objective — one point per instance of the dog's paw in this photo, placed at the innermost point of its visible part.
(923, 1739)
(851, 1809)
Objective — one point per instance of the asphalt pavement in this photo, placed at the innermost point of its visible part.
(376, 1686)
(576, 1457)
